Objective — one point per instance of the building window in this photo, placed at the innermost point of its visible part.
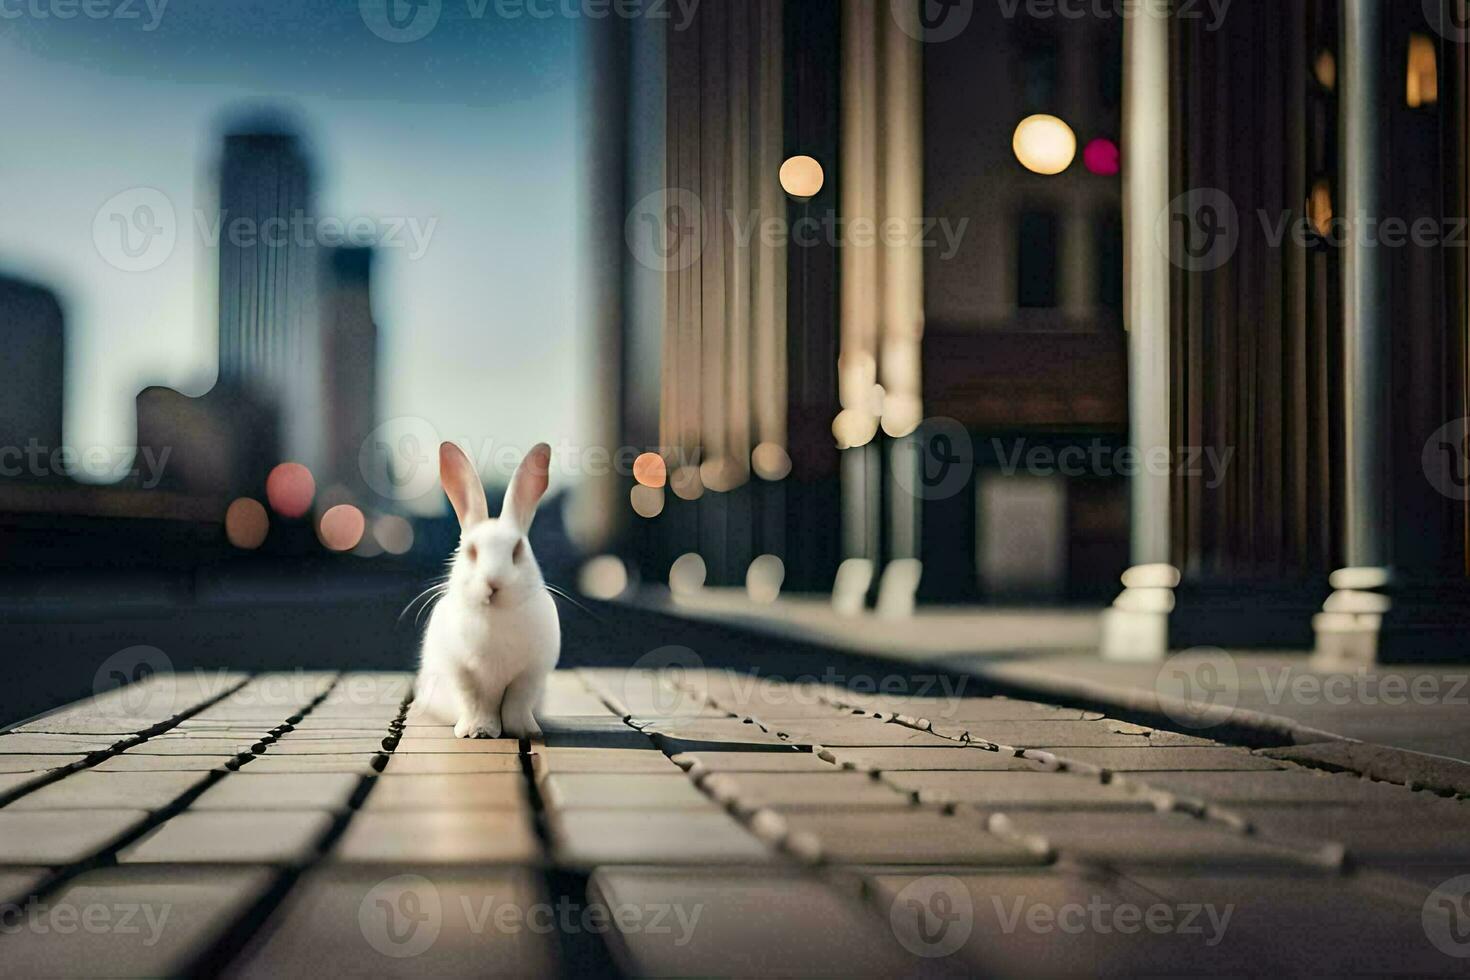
(1036, 264)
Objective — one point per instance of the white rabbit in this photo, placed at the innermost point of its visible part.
(494, 636)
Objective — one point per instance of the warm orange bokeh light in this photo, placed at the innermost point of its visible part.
(246, 524)
(290, 489)
(649, 470)
(341, 527)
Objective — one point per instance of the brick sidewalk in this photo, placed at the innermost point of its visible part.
(700, 823)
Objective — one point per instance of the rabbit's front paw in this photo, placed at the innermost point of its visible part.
(523, 727)
(477, 728)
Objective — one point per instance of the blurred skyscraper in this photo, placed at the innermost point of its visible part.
(269, 288)
(35, 353)
(349, 352)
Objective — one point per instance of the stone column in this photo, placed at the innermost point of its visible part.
(1137, 625)
(1347, 630)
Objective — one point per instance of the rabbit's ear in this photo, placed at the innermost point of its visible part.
(463, 486)
(526, 487)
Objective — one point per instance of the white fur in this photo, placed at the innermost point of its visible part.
(494, 637)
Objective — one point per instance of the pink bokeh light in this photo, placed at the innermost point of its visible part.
(1102, 157)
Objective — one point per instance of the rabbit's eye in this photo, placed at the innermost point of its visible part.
(519, 550)
(471, 552)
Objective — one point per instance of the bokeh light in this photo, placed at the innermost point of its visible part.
(852, 428)
(1101, 157)
(687, 574)
(764, 577)
(290, 489)
(686, 484)
(394, 533)
(770, 461)
(246, 523)
(649, 470)
(647, 501)
(801, 177)
(341, 528)
(1044, 144)
(603, 577)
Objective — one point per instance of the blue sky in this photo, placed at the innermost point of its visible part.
(470, 132)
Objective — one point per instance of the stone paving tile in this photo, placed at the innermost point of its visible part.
(155, 922)
(13, 782)
(57, 837)
(359, 763)
(42, 744)
(342, 921)
(744, 925)
(192, 746)
(1028, 790)
(971, 757)
(449, 791)
(428, 763)
(1305, 926)
(217, 837)
(548, 759)
(415, 743)
(1282, 787)
(246, 790)
(88, 723)
(333, 727)
(912, 836)
(699, 763)
(1055, 734)
(112, 790)
(592, 733)
(19, 884)
(569, 790)
(716, 735)
(588, 838)
(1423, 831)
(1163, 759)
(37, 763)
(1144, 840)
(836, 789)
(942, 710)
(439, 837)
(296, 744)
(139, 762)
(862, 731)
